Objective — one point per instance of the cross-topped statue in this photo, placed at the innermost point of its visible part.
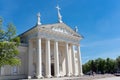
(59, 15)
(58, 7)
(38, 19)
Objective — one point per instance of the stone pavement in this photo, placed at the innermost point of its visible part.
(86, 77)
(111, 78)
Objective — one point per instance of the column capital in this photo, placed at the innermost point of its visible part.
(71, 44)
(55, 40)
(66, 42)
(47, 39)
(38, 37)
(77, 44)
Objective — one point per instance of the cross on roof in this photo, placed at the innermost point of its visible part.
(59, 15)
(58, 7)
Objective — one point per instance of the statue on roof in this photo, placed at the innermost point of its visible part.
(59, 15)
(38, 19)
(76, 29)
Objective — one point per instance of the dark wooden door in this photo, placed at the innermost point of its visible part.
(52, 69)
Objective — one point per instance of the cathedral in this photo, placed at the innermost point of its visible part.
(47, 51)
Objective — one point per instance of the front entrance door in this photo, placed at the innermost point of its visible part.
(52, 69)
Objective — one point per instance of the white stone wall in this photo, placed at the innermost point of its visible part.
(17, 70)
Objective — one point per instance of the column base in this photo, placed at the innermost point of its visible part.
(75, 74)
(57, 75)
(39, 77)
(68, 75)
(81, 74)
(48, 76)
(29, 77)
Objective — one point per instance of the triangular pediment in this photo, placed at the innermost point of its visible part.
(61, 28)
(58, 28)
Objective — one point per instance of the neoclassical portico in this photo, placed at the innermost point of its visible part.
(54, 50)
(48, 40)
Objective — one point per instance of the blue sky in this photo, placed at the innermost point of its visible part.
(98, 21)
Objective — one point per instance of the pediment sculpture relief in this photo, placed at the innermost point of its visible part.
(60, 29)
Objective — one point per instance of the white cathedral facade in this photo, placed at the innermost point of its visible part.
(51, 50)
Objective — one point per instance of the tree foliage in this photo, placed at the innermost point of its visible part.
(102, 65)
(118, 62)
(8, 45)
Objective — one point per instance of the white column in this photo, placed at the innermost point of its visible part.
(48, 59)
(56, 59)
(29, 59)
(39, 60)
(79, 61)
(67, 60)
(73, 61)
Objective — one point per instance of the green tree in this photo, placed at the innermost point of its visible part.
(118, 63)
(11, 32)
(8, 45)
(93, 66)
(100, 65)
(86, 67)
(89, 66)
(1, 30)
(110, 65)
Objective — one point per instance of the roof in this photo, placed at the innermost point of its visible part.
(60, 26)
